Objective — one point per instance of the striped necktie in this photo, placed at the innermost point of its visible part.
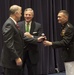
(17, 26)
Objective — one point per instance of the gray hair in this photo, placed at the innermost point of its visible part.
(29, 9)
(14, 8)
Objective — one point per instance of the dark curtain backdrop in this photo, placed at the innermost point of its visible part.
(46, 14)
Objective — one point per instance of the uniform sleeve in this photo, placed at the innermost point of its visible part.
(67, 38)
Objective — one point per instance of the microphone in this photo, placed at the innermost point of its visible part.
(43, 34)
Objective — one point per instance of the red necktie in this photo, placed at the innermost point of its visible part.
(17, 26)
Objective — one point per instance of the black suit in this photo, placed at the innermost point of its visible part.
(67, 42)
(31, 53)
(12, 46)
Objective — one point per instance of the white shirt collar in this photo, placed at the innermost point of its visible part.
(29, 22)
(13, 20)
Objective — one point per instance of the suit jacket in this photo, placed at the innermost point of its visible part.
(32, 47)
(12, 44)
(67, 42)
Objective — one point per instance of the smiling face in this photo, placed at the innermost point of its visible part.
(28, 15)
(61, 18)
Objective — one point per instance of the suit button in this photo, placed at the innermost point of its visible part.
(67, 48)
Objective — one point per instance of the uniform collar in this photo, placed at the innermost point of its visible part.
(64, 25)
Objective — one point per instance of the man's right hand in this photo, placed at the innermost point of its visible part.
(27, 34)
(18, 62)
(47, 43)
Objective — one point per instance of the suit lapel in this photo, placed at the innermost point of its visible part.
(17, 30)
(13, 24)
(23, 26)
(32, 27)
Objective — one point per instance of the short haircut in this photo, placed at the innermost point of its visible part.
(64, 12)
(29, 9)
(14, 8)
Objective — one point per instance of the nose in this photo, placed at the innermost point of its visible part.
(27, 15)
(58, 18)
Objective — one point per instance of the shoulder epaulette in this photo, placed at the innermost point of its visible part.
(68, 25)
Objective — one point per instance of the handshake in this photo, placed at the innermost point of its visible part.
(39, 39)
(42, 38)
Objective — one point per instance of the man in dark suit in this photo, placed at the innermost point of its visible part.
(13, 43)
(31, 53)
(12, 51)
(67, 42)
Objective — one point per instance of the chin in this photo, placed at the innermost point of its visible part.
(27, 19)
(59, 22)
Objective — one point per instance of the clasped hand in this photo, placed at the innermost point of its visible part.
(39, 39)
(27, 34)
(47, 43)
(18, 62)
